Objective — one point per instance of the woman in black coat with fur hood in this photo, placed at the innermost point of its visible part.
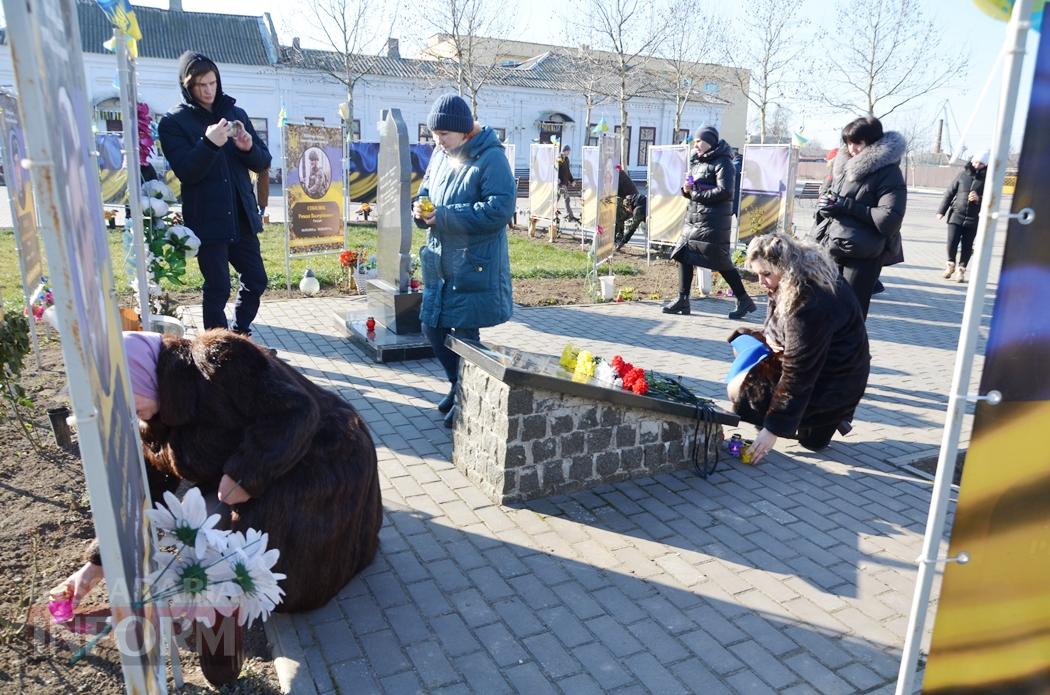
(859, 218)
(711, 190)
(817, 362)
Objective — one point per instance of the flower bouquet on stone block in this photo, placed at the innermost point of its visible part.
(617, 373)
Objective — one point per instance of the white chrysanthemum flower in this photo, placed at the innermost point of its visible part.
(254, 585)
(158, 189)
(188, 522)
(179, 232)
(153, 207)
(605, 374)
(192, 588)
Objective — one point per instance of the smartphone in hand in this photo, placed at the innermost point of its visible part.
(236, 129)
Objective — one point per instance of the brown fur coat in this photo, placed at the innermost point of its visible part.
(302, 453)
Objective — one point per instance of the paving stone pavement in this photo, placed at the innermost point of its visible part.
(795, 576)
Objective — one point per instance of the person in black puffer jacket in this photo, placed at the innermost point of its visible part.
(212, 156)
(964, 199)
(711, 189)
(858, 219)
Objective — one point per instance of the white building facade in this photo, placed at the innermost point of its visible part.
(523, 104)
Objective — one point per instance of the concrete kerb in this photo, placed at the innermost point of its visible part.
(289, 660)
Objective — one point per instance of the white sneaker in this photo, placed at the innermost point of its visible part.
(960, 274)
(949, 269)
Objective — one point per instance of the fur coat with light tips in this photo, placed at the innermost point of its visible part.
(303, 454)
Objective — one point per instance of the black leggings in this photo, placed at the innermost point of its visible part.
(964, 236)
(861, 275)
(685, 280)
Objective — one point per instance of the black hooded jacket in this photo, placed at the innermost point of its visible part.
(710, 214)
(217, 195)
(957, 197)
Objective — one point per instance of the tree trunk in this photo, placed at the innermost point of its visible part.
(623, 119)
(587, 124)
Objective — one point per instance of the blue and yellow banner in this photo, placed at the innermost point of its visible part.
(992, 631)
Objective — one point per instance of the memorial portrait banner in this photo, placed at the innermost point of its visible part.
(313, 188)
(992, 629)
(589, 187)
(668, 167)
(49, 71)
(608, 200)
(20, 195)
(543, 181)
(766, 186)
(363, 169)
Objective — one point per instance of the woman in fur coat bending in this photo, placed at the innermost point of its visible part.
(288, 457)
(859, 218)
(813, 358)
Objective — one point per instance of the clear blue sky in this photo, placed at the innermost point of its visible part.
(965, 28)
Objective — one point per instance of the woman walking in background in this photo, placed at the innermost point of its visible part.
(859, 217)
(962, 202)
(469, 191)
(710, 188)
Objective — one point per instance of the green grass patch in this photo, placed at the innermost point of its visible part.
(529, 259)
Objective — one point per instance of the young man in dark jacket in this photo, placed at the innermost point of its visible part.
(211, 146)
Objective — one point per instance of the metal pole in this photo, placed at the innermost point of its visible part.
(974, 308)
(287, 211)
(130, 121)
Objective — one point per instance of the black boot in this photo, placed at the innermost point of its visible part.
(679, 307)
(744, 306)
(445, 404)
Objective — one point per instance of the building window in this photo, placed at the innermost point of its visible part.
(501, 133)
(356, 130)
(711, 87)
(646, 139)
(314, 120)
(680, 135)
(262, 129)
(592, 140)
(424, 134)
(626, 159)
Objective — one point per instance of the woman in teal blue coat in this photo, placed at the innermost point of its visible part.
(466, 266)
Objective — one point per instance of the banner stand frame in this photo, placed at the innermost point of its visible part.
(929, 560)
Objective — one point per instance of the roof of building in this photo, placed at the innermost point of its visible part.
(551, 71)
(225, 38)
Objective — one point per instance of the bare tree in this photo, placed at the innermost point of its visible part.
(623, 28)
(889, 54)
(346, 29)
(779, 126)
(473, 30)
(685, 46)
(591, 70)
(769, 47)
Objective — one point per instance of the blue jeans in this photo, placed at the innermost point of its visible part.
(448, 359)
(215, 260)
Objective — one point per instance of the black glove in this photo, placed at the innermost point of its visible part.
(833, 204)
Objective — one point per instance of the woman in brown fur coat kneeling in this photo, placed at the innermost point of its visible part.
(289, 458)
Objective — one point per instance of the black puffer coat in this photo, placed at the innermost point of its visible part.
(963, 212)
(216, 189)
(822, 373)
(710, 213)
(873, 185)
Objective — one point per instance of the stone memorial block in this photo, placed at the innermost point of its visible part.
(525, 429)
